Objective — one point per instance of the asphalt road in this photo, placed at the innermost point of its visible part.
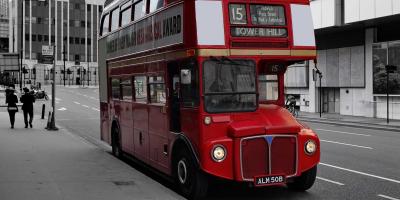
(356, 163)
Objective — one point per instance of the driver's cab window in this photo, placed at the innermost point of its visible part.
(268, 87)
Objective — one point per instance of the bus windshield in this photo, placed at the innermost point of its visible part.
(229, 86)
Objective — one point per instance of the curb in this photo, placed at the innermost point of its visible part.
(353, 124)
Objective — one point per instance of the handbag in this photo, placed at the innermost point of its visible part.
(14, 108)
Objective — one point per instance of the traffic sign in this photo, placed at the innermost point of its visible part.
(47, 54)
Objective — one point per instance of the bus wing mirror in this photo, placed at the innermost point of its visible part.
(186, 77)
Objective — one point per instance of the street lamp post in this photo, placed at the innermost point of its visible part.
(64, 62)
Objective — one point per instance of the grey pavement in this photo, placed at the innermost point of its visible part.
(351, 121)
(44, 165)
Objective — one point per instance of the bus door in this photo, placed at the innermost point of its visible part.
(126, 121)
(140, 118)
(174, 97)
(158, 122)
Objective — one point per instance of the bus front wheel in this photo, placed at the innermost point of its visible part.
(115, 143)
(191, 181)
(305, 181)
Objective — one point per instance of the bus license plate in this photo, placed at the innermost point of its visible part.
(269, 180)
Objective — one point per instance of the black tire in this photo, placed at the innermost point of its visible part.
(115, 142)
(191, 181)
(305, 181)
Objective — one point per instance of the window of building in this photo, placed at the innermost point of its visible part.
(77, 23)
(77, 40)
(46, 38)
(89, 7)
(77, 6)
(83, 24)
(88, 24)
(39, 20)
(40, 38)
(27, 37)
(114, 19)
(71, 40)
(126, 89)
(140, 83)
(156, 4)
(82, 40)
(33, 38)
(157, 89)
(115, 88)
(268, 87)
(126, 14)
(105, 25)
(140, 9)
(100, 9)
(53, 39)
(89, 41)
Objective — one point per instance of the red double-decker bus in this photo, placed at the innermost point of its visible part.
(196, 89)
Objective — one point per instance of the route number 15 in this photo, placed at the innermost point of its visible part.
(237, 13)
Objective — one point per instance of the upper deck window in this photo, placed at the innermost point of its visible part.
(105, 25)
(114, 20)
(270, 15)
(139, 9)
(156, 4)
(126, 14)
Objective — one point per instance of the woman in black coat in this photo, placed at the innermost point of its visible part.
(11, 101)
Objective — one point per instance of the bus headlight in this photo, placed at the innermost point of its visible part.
(310, 147)
(218, 153)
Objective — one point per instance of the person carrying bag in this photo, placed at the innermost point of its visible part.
(12, 108)
(27, 99)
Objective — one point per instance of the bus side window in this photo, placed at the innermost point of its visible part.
(139, 9)
(155, 5)
(268, 87)
(140, 83)
(126, 89)
(190, 92)
(126, 13)
(157, 89)
(115, 88)
(114, 19)
(105, 25)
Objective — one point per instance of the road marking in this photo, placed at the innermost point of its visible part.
(359, 134)
(77, 103)
(95, 109)
(352, 145)
(361, 173)
(85, 106)
(62, 109)
(330, 181)
(387, 197)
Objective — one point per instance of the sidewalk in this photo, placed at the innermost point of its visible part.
(36, 164)
(352, 121)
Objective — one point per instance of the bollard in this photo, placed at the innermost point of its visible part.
(43, 110)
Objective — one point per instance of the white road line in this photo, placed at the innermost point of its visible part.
(330, 181)
(361, 173)
(62, 109)
(359, 134)
(77, 103)
(352, 145)
(387, 197)
(85, 106)
(95, 109)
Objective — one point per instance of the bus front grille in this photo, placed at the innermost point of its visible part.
(268, 155)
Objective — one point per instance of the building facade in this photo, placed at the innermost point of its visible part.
(69, 25)
(356, 39)
(4, 26)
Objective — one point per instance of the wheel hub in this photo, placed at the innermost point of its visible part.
(182, 172)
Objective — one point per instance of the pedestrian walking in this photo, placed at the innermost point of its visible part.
(11, 101)
(27, 100)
